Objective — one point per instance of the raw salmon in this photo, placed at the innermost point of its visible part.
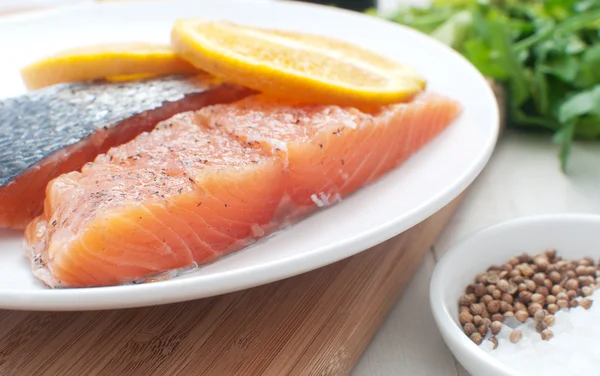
(207, 183)
(56, 130)
(332, 151)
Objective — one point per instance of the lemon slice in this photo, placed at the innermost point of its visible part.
(294, 65)
(102, 61)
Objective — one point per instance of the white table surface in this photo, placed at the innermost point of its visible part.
(523, 178)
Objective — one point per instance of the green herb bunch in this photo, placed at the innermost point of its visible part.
(545, 53)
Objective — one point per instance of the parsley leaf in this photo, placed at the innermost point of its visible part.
(546, 54)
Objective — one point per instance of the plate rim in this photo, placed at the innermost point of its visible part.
(185, 289)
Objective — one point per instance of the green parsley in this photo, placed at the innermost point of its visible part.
(546, 54)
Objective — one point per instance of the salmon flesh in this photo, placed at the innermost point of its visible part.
(210, 182)
(55, 130)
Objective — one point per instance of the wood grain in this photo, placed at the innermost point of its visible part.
(317, 323)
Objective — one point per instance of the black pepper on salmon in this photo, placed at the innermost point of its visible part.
(48, 132)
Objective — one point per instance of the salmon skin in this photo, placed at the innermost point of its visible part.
(56, 130)
(207, 183)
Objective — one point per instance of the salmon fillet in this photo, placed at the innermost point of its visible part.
(207, 183)
(332, 151)
(48, 132)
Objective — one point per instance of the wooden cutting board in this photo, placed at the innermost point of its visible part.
(317, 323)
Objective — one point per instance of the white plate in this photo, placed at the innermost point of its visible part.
(400, 200)
(572, 235)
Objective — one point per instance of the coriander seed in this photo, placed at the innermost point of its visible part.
(572, 284)
(493, 306)
(536, 286)
(505, 307)
(531, 286)
(508, 298)
(477, 338)
(496, 327)
(522, 287)
(585, 281)
(541, 262)
(493, 279)
(464, 300)
(538, 298)
(533, 308)
(494, 342)
(497, 317)
(482, 330)
(539, 278)
(513, 274)
(556, 289)
(525, 296)
(465, 317)
(520, 306)
(479, 290)
(486, 299)
(539, 315)
(549, 320)
(481, 278)
(521, 315)
(476, 309)
(540, 326)
(469, 328)
(497, 294)
(547, 334)
(552, 308)
(555, 277)
(515, 336)
(527, 270)
(517, 279)
(543, 291)
(562, 304)
(586, 303)
(562, 296)
(581, 270)
(503, 285)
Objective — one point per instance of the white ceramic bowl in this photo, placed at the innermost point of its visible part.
(572, 235)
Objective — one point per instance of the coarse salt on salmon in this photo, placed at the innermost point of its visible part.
(58, 129)
(178, 195)
(331, 151)
(208, 183)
